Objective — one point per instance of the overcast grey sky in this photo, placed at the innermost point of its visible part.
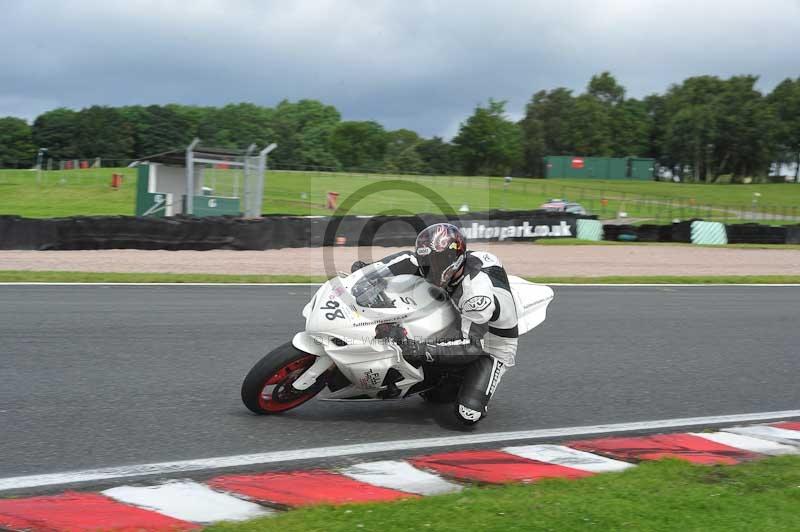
(422, 65)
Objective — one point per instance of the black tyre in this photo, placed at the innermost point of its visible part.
(466, 417)
(267, 388)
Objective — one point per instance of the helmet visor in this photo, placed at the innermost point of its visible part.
(439, 268)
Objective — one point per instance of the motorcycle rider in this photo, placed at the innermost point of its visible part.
(479, 289)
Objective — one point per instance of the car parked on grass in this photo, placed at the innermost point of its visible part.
(561, 205)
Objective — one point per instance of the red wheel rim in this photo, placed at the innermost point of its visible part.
(277, 393)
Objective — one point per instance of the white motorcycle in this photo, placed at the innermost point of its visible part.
(355, 326)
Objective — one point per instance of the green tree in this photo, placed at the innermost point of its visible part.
(157, 129)
(691, 111)
(657, 122)
(717, 126)
(401, 152)
(104, 132)
(599, 122)
(631, 126)
(589, 126)
(438, 157)
(545, 128)
(604, 88)
(315, 151)
(193, 115)
(16, 143)
(303, 131)
(534, 146)
(488, 143)
(359, 145)
(552, 109)
(745, 125)
(785, 103)
(57, 130)
(237, 126)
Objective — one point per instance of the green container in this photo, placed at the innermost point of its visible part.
(577, 167)
(643, 169)
(617, 168)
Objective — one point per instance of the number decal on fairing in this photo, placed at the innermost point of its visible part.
(337, 312)
(333, 315)
(408, 301)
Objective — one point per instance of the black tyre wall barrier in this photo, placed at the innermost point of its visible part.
(793, 234)
(682, 231)
(756, 234)
(25, 233)
(619, 232)
(273, 232)
(639, 233)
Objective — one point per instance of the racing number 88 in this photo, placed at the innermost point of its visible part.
(337, 312)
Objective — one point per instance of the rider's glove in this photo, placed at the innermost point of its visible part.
(357, 265)
(413, 350)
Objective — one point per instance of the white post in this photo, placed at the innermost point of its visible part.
(248, 180)
(262, 170)
(190, 176)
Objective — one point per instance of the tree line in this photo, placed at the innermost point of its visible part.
(704, 127)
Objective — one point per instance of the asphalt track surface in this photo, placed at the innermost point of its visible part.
(96, 376)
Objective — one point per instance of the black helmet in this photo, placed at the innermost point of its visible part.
(441, 250)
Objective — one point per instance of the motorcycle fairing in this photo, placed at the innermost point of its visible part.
(341, 329)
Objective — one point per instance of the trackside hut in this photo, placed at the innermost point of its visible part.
(171, 182)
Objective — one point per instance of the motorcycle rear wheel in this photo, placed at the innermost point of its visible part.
(267, 388)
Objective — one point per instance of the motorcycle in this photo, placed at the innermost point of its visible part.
(352, 343)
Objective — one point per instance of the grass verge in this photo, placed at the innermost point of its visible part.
(24, 276)
(668, 495)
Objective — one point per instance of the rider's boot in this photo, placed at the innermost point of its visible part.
(479, 384)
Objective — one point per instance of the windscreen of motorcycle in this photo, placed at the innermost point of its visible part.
(404, 299)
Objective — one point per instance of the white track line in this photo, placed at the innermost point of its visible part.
(189, 501)
(182, 466)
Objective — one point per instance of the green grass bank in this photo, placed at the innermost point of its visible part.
(88, 192)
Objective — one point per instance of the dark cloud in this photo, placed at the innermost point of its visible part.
(422, 65)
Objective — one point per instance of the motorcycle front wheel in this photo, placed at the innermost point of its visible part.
(267, 388)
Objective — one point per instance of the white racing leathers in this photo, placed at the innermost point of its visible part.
(489, 330)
